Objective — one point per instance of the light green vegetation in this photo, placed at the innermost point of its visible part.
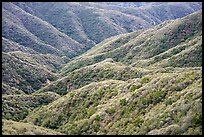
(111, 107)
(97, 68)
(19, 128)
(17, 106)
(153, 47)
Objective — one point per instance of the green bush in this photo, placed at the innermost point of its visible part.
(97, 118)
(157, 96)
(168, 102)
(110, 110)
(133, 88)
(138, 122)
(157, 58)
(123, 102)
(91, 111)
(197, 119)
(145, 80)
(144, 101)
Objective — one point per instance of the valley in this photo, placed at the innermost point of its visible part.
(96, 68)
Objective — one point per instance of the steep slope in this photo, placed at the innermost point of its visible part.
(153, 12)
(69, 29)
(144, 82)
(17, 107)
(20, 27)
(48, 61)
(106, 96)
(9, 46)
(120, 107)
(139, 53)
(107, 69)
(171, 10)
(10, 127)
(129, 4)
(90, 23)
(8, 90)
(23, 74)
(140, 47)
(82, 22)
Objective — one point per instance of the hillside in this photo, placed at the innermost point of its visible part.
(145, 48)
(16, 107)
(107, 69)
(18, 128)
(69, 29)
(129, 4)
(123, 107)
(109, 94)
(8, 90)
(101, 68)
(20, 70)
(9, 46)
(20, 27)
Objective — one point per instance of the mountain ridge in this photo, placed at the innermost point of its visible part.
(102, 68)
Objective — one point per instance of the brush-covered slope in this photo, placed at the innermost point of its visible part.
(31, 31)
(152, 4)
(171, 44)
(90, 23)
(164, 103)
(145, 82)
(48, 61)
(10, 127)
(10, 46)
(129, 4)
(110, 92)
(107, 69)
(152, 12)
(84, 23)
(8, 90)
(171, 10)
(180, 38)
(16, 107)
(26, 71)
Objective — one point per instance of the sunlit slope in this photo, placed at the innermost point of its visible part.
(143, 48)
(10, 127)
(161, 103)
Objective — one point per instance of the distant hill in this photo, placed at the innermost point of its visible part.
(157, 46)
(102, 68)
(66, 30)
(20, 27)
(72, 28)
